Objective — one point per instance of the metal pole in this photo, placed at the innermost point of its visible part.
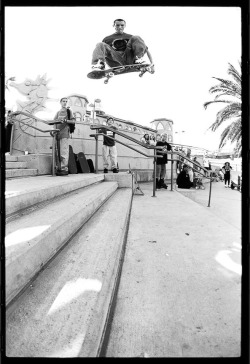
(11, 137)
(154, 175)
(53, 154)
(210, 188)
(172, 170)
(96, 152)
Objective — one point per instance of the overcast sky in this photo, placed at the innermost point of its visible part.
(189, 45)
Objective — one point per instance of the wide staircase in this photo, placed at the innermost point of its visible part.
(17, 166)
(65, 240)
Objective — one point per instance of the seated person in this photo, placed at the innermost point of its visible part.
(183, 180)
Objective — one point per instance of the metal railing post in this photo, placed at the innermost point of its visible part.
(53, 154)
(96, 152)
(11, 137)
(154, 174)
(172, 170)
(210, 188)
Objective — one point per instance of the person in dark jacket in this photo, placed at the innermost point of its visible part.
(161, 162)
(183, 180)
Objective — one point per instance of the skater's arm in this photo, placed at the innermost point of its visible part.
(151, 60)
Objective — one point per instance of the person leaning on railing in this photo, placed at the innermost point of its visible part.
(109, 147)
(161, 162)
(63, 137)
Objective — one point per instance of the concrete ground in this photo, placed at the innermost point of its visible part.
(180, 289)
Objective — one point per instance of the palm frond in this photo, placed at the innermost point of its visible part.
(205, 105)
(234, 73)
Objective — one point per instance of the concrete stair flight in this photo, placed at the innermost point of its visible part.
(63, 256)
(16, 167)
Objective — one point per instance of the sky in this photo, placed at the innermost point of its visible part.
(189, 46)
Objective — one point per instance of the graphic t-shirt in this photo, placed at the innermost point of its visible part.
(227, 168)
(64, 128)
(106, 140)
(117, 41)
(166, 146)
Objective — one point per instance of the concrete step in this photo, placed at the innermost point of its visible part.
(12, 173)
(11, 158)
(34, 238)
(64, 312)
(23, 193)
(15, 165)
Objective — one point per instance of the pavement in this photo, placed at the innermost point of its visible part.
(180, 288)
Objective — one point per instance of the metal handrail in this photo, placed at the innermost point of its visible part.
(155, 148)
(53, 133)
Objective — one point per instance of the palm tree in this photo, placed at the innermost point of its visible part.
(232, 110)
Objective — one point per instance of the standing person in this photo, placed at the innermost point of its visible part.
(190, 165)
(145, 139)
(161, 162)
(8, 130)
(65, 118)
(226, 170)
(206, 165)
(183, 180)
(120, 49)
(152, 140)
(109, 147)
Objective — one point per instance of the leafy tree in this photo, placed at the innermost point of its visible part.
(232, 111)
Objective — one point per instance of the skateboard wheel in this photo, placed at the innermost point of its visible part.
(111, 74)
(106, 81)
(141, 74)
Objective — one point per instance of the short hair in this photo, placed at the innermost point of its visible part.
(63, 98)
(110, 118)
(119, 20)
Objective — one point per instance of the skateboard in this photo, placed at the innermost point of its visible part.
(72, 163)
(83, 164)
(91, 165)
(120, 70)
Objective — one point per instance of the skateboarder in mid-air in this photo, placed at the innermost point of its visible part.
(120, 49)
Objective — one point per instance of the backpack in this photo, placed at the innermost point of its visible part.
(71, 126)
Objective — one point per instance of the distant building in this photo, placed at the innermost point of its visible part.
(164, 125)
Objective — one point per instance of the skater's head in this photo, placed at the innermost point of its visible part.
(110, 121)
(119, 25)
(63, 101)
(164, 137)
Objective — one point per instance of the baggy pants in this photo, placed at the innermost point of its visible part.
(112, 152)
(64, 154)
(104, 52)
(160, 171)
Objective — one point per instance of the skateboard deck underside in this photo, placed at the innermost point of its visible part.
(97, 74)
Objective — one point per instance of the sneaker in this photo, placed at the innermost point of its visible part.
(100, 65)
(62, 173)
(138, 60)
(105, 170)
(115, 170)
(225, 186)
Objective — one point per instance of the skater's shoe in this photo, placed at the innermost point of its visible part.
(99, 66)
(138, 60)
(105, 170)
(62, 173)
(162, 184)
(115, 170)
(158, 184)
